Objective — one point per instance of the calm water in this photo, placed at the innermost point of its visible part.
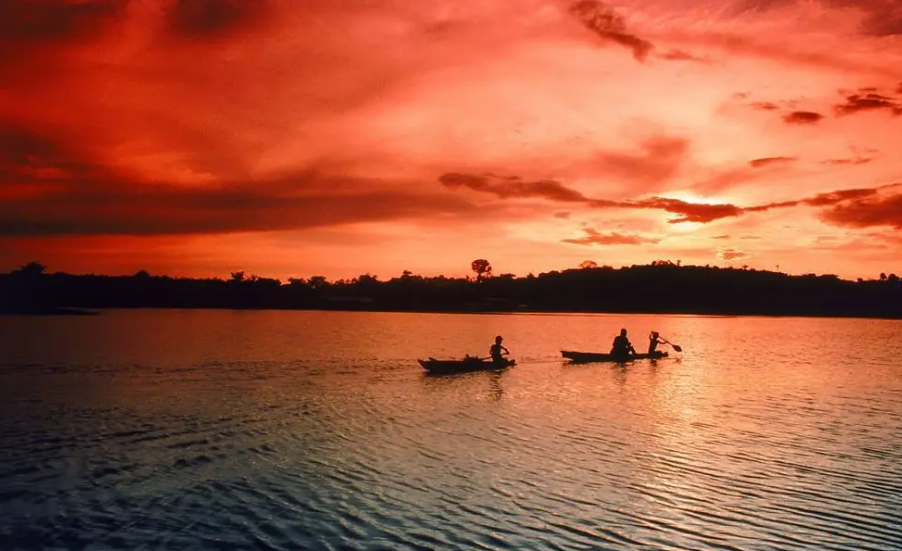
(318, 430)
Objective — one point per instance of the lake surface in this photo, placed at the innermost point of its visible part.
(319, 430)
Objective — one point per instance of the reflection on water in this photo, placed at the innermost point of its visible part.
(318, 430)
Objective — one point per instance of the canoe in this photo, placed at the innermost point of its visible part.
(585, 357)
(463, 366)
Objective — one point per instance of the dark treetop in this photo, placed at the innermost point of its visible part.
(661, 287)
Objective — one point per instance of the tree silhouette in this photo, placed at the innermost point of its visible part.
(31, 269)
(482, 268)
(892, 278)
(587, 264)
(882, 276)
(317, 282)
(237, 276)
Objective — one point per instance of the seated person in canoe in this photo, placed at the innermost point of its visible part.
(653, 341)
(622, 346)
(495, 351)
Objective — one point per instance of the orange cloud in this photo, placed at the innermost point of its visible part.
(865, 211)
(870, 101)
(731, 254)
(607, 24)
(156, 130)
(847, 200)
(767, 161)
(802, 117)
(594, 237)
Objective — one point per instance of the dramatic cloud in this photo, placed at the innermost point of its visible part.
(593, 237)
(48, 188)
(607, 24)
(768, 161)
(834, 197)
(856, 103)
(197, 134)
(111, 208)
(512, 186)
(686, 211)
(868, 212)
(802, 117)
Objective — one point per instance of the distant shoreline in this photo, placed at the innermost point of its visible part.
(656, 289)
(80, 312)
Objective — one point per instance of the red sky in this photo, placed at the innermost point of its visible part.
(339, 137)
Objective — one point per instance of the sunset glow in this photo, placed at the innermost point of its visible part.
(340, 137)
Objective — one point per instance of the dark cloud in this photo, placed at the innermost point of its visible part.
(791, 117)
(867, 211)
(765, 106)
(684, 211)
(607, 24)
(680, 55)
(594, 237)
(885, 24)
(29, 157)
(203, 18)
(562, 215)
(870, 101)
(512, 187)
(768, 161)
(48, 187)
(802, 117)
(850, 161)
(732, 254)
(834, 197)
(722, 237)
(27, 22)
(159, 210)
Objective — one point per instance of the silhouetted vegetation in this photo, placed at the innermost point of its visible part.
(661, 287)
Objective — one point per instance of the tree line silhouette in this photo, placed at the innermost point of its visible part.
(660, 287)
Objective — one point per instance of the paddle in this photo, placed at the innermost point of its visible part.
(676, 347)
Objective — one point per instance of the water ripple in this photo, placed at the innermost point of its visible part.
(284, 448)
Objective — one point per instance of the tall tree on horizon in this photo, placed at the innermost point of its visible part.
(482, 268)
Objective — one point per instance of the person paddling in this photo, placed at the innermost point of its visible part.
(653, 341)
(622, 347)
(495, 350)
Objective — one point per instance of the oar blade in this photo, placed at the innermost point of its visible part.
(677, 347)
